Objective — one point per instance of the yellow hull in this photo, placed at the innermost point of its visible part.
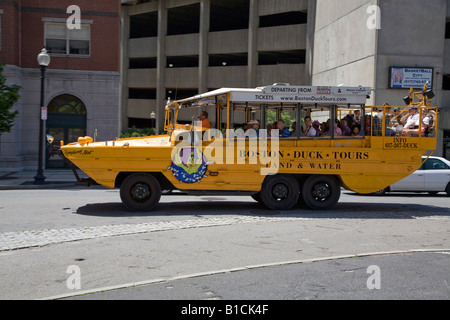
(361, 165)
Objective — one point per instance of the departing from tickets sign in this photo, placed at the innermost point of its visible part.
(364, 91)
(304, 94)
(406, 78)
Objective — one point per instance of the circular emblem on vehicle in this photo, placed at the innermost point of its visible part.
(189, 165)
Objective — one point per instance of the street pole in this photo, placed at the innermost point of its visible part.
(44, 61)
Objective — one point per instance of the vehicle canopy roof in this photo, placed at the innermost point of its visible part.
(283, 93)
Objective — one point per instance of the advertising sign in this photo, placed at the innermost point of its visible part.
(406, 78)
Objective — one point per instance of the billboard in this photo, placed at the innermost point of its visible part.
(406, 77)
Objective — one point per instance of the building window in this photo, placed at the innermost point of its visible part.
(283, 19)
(138, 123)
(61, 40)
(446, 82)
(228, 60)
(67, 104)
(282, 57)
(229, 15)
(182, 62)
(142, 93)
(176, 94)
(183, 20)
(144, 25)
(142, 63)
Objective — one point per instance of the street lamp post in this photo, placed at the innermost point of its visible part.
(152, 119)
(43, 61)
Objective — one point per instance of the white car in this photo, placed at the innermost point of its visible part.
(432, 177)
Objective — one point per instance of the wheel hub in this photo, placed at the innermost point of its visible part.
(140, 192)
(321, 191)
(280, 191)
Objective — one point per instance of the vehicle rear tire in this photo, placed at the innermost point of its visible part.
(321, 192)
(447, 190)
(280, 192)
(140, 192)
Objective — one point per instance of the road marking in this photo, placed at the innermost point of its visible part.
(38, 238)
(210, 273)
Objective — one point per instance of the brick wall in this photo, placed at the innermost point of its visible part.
(9, 52)
(105, 33)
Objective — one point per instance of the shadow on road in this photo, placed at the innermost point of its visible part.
(209, 206)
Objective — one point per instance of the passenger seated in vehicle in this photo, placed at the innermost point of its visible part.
(367, 122)
(388, 130)
(427, 122)
(396, 124)
(269, 130)
(325, 128)
(204, 119)
(337, 130)
(376, 122)
(294, 128)
(397, 117)
(284, 131)
(316, 125)
(356, 131)
(253, 126)
(346, 131)
(357, 116)
(350, 120)
(309, 129)
(412, 124)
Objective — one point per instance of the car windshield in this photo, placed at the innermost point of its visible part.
(435, 164)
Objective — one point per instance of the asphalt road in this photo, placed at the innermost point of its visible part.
(199, 247)
(413, 275)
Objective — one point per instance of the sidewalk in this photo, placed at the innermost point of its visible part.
(55, 179)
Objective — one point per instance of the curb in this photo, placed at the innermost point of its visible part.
(51, 185)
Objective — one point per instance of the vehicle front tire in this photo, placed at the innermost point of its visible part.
(140, 192)
(257, 197)
(447, 190)
(280, 192)
(321, 192)
(381, 192)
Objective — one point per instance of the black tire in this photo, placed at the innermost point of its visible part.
(381, 192)
(321, 192)
(280, 192)
(447, 190)
(140, 192)
(257, 197)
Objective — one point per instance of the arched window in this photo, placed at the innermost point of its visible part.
(67, 104)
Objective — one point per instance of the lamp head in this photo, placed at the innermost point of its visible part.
(429, 94)
(407, 100)
(43, 58)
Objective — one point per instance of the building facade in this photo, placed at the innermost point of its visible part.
(360, 42)
(179, 48)
(82, 82)
(130, 56)
(176, 49)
